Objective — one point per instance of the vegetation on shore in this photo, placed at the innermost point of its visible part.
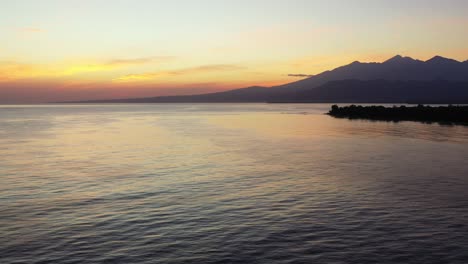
(442, 114)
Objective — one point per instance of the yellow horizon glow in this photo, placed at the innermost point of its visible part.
(169, 47)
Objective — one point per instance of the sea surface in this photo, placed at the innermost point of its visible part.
(228, 183)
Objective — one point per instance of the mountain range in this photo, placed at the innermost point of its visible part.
(397, 80)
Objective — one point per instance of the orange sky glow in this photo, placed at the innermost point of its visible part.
(79, 50)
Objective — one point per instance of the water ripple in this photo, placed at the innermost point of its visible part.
(229, 183)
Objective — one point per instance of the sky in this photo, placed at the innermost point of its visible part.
(58, 50)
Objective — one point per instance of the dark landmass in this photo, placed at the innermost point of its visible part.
(252, 94)
(383, 91)
(397, 80)
(345, 91)
(441, 114)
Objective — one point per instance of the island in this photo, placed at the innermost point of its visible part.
(451, 114)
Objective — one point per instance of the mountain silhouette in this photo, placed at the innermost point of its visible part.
(384, 91)
(396, 80)
(397, 68)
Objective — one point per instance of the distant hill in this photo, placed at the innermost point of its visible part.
(397, 80)
(382, 91)
(397, 68)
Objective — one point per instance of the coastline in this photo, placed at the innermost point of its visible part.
(427, 114)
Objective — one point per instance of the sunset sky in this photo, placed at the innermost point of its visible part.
(94, 49)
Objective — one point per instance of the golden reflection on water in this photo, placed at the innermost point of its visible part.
(158, 175)
(321, 125)
(109, 146)
(280, 125)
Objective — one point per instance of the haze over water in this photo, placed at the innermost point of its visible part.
(228, 183)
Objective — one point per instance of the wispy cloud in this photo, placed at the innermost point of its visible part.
(185, 71)
(299, 75)
(14, 70)
(137, 77)
(11, 70)
(142, 60)
(208, 68)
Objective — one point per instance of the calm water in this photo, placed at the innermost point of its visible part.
(228, 183)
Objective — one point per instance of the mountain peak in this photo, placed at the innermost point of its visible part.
(399, 59)
(440, 59)
(396, 57)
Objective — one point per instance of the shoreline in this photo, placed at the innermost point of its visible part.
(427, 114)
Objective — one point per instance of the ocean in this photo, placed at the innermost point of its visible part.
(228, 183)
